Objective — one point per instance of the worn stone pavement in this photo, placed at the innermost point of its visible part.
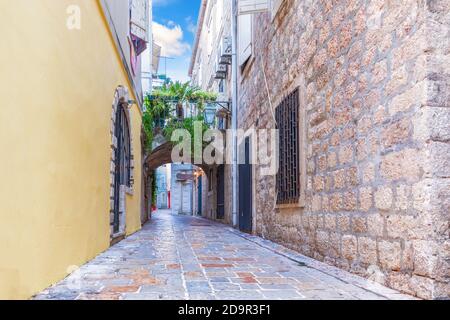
(177, 257)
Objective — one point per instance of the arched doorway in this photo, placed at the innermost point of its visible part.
(121, 163)
(122, 173)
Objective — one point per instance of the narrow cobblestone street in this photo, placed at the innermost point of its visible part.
(177, 257)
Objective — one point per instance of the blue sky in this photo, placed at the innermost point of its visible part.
(174, 23)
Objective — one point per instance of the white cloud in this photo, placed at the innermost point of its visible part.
(170, 38)
(191, 26)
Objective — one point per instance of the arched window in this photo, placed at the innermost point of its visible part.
(121, 166)
(122, 161)
(123, 151)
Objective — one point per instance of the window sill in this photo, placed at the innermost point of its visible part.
(301, 204)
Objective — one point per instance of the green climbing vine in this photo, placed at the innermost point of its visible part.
(154, 189)
(163, 108)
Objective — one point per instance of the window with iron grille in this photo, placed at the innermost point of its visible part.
(288, 177)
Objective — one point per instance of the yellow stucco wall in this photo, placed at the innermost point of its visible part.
(133, 202)
(57, 88)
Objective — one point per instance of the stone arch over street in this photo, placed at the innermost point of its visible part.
(211, 188)
(198, 180)
(162, 155)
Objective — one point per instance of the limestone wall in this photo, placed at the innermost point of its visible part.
(374, 77)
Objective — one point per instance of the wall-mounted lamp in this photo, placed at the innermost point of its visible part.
(210, 114)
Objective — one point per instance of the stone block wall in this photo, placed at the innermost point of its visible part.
(375, 84)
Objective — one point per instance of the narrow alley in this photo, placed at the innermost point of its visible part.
(189, 258)
(320, 125)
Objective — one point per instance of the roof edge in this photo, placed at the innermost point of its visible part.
(201, 18)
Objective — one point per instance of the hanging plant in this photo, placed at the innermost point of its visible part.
(164, 110)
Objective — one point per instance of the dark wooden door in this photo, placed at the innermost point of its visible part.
(221, 192)
(122, 162)
(200, 196)
(245, 190)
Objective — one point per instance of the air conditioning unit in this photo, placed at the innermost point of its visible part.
(221, 71)
(225, 51)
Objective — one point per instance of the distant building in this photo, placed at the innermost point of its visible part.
(182, 187)
(163, 177)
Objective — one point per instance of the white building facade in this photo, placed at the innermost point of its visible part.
(182, 189)
(147, 57)
(213, 35)
(210, 69)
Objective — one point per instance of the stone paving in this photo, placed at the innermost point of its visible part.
(187, 258)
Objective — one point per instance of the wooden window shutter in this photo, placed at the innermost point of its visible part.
(245, 33)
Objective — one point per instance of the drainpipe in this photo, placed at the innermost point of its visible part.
(235, 100)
